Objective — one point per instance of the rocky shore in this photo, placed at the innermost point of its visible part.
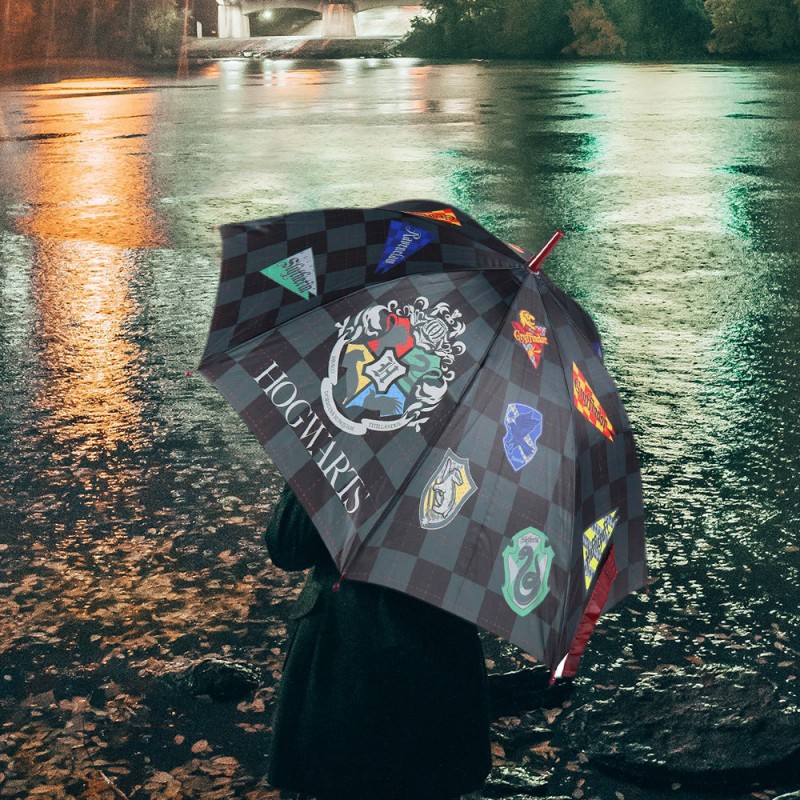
(687, 733)
(161, 686)
(713, 730)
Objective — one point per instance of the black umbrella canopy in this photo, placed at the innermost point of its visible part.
(442, 412)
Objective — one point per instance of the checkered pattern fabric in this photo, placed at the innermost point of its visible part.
(433, 454)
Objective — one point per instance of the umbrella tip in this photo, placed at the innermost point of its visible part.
(535, 264)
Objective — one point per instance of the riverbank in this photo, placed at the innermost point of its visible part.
(132, 498)
(291, 47)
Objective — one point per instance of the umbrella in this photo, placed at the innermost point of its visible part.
(442, 412)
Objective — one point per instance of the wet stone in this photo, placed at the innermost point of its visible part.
(219, 678)
(519, 733)
(523, 797)
(708, 727)
(514, 781)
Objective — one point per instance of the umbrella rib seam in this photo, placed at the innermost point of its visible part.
(563, 372)
(496, 336)
(555, 299)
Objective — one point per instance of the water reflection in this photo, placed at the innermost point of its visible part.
(92, 182)
(680, 209)
(85, 308)
(89, 200)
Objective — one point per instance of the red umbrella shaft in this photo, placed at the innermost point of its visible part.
(535, 264)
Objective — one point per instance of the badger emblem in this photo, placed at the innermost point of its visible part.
(448, 489)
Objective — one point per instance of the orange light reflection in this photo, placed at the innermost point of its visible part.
(91, 182)
(89, 197)
(304, 83)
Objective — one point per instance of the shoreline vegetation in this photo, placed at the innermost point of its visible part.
(626, 30)
(148, 34)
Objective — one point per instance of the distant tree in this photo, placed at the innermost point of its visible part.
(456, 28)
(533, 28)
(160, 28)
(660, 28)
(16, 25)
(491, 28)
(637, 29)
(693, 28)
(595, 35)
(754, 27)
(33, 30)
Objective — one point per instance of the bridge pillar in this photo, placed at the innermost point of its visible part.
(338, 20)
(232, 22)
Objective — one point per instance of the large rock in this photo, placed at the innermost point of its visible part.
(219, 678)
(703, 727)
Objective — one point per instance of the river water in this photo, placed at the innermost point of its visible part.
(131, 496)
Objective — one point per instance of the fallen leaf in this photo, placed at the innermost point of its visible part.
(551, 714)
(544, 750)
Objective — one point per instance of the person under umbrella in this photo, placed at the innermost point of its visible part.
(382, 697)
(442, 412)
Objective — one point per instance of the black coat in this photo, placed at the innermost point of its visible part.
(382, 696)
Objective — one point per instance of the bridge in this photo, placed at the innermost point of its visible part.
(338, 18)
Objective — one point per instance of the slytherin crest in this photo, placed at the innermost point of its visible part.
(527, 564)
